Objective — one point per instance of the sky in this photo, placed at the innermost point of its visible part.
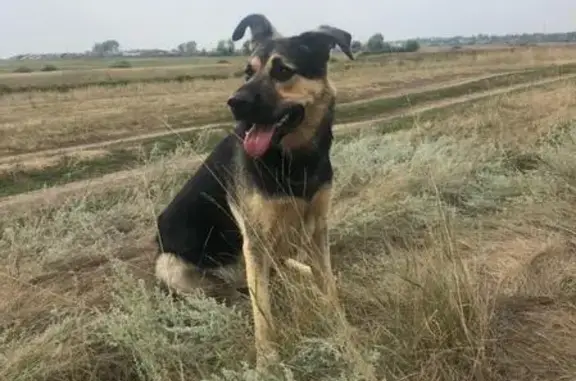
(41, 26)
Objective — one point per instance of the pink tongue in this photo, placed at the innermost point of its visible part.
(258, 140)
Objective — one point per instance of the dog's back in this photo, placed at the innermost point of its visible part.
(197, 225)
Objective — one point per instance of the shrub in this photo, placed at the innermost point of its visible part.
(412, 46)
(23, 69)
(50, 67)
(121, 65)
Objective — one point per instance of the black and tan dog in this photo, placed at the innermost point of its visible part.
(263, 194)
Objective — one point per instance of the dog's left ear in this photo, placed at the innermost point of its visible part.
(261, 28)
(329, 36)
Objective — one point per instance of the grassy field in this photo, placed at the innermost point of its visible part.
(64, 81)
(451, 231)
(75, 74)
(89, 63)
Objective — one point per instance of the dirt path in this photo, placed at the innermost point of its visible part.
(38, 198)
(345, 128)
(52, 155)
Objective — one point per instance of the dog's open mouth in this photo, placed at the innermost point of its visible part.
(260, 137)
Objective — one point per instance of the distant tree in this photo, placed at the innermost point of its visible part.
(120, 65)
(356, 46)
(412, 46)
(189, 48)
(49, 67)
(221, 48)
(97, 49)
(376, 43)
(23, 69)
(108, 47)
(231, 47)
(225, 48)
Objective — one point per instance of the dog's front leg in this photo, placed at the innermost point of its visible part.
(258, 265)
(321, 261)
(320, 258)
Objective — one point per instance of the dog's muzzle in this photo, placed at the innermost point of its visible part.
(265, 124)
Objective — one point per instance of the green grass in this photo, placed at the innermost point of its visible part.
(68, 169)
(369, 109)
(408, 121)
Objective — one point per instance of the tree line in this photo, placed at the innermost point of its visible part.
(507, 39)
(375, 44)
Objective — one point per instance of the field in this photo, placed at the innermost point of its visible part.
(452, 227)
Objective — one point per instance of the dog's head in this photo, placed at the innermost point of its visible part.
(287, 92)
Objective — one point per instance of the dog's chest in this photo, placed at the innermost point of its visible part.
(272, 218)
(277, 177)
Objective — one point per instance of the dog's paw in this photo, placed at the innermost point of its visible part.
(266, 359)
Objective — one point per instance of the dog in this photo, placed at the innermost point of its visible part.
(265, 189)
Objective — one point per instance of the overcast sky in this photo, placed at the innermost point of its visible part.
(74, 25)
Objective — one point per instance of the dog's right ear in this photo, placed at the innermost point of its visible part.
(261, 28)
(330, 36)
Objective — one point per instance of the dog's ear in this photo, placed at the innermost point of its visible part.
(328, 37)
(261, 28)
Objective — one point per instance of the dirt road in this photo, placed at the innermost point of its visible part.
(54, 154)
(123, 179)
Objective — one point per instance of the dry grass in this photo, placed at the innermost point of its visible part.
(74, 78)
(514, 119)
(8, 66)
(34, 121)
(70, 165)
(96, 70)
(453, 243)
(517, 55)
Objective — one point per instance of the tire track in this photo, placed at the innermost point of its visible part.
(56, 152)
(126, 178)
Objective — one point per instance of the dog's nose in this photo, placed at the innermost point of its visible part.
(241, 103)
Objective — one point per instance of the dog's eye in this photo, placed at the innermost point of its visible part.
(282, 73)
(248, 72)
